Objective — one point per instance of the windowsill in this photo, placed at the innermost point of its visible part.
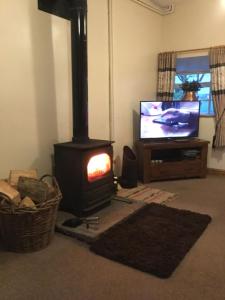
(207, 116)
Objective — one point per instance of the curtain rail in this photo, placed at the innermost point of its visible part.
(191, 50)
(198, 49)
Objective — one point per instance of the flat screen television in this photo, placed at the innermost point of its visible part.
(169, 119)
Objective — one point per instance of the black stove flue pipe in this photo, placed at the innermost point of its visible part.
(76, 12)
(79, 73)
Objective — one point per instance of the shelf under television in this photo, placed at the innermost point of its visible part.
(167, 160)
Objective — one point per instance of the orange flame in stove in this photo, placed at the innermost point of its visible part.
(98, 166)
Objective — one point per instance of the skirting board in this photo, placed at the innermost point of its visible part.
(216, 171)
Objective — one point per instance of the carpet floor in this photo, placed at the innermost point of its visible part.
(154, 239)
(68, 270)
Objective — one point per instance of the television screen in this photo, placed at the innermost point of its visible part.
(169, 119)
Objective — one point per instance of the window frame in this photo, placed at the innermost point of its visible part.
(204, 84)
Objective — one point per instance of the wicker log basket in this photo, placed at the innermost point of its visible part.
(28, 230)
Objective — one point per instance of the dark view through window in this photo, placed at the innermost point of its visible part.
(195, 69)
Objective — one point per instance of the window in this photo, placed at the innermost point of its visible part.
(195, 68)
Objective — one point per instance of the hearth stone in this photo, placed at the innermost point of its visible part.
(108, 216)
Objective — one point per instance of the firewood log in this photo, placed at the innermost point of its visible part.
(27, 203)
(35, 189)
(13, 194)
(15, 174)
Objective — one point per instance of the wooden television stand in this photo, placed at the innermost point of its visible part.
(171, 159)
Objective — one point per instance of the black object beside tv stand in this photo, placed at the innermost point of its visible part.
(171, 159)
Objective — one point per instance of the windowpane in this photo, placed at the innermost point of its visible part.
(192, 77)
(201, 77)
(178, 94)
(177, 80)
(204, 107)
(203, 95)
(206, 77)
(211, 108)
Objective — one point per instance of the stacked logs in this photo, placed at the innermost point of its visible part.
(23, 190)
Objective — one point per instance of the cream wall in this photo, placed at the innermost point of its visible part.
(28, 121)
(136, 43)
(98, 72)
(35, 78)
(98, 69)
(197, 24)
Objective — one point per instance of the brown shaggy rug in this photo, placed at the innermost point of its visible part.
(154, 239)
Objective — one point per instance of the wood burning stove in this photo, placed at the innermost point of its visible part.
(84, 187)
(83, 167)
